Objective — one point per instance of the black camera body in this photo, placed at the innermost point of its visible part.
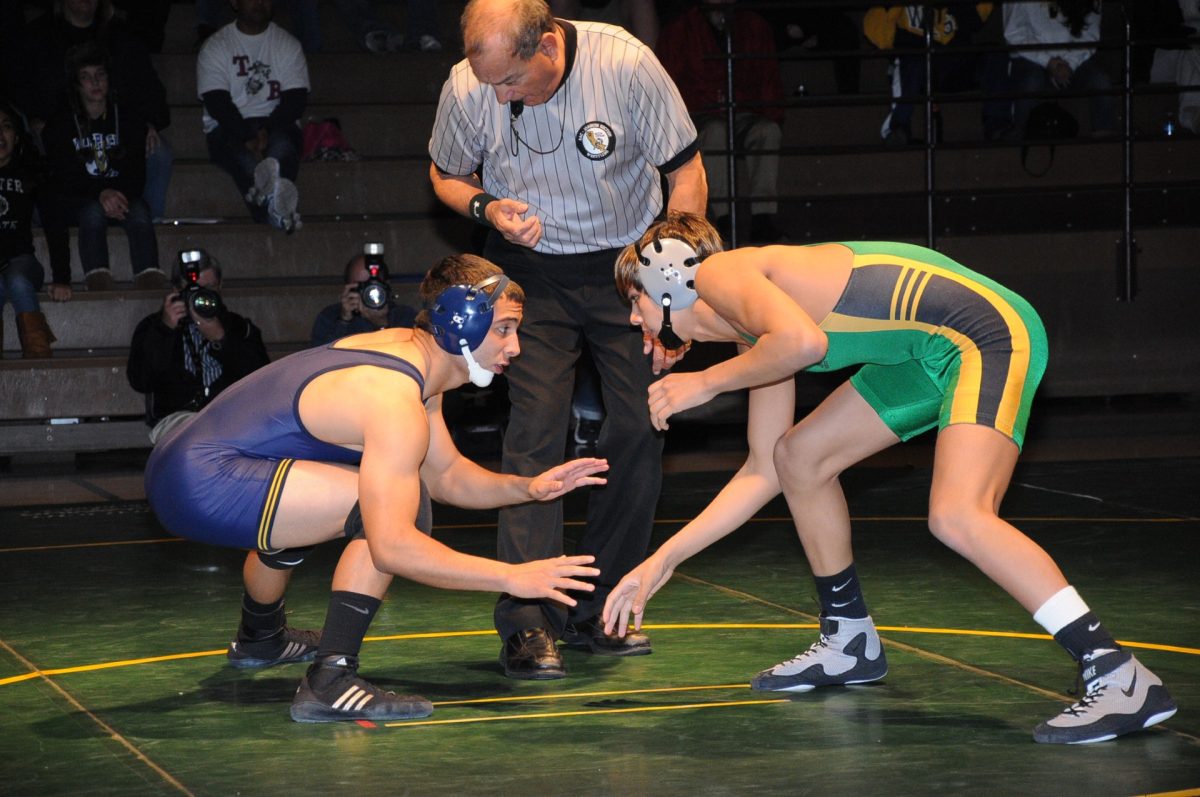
(375, 292)
(204, 301)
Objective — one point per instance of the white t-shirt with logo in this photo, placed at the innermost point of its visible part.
(255, 70)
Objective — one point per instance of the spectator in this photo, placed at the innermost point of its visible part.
(253, 80)
(690, 48)
(1058, 69)
(1178, 64)
(134, 81)
(532, 115)
(350, 316)
(21, 274)
(639, 17)
(182, 357)
(95, 148)
(954, 25)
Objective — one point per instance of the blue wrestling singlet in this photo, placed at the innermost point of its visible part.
(219, 476)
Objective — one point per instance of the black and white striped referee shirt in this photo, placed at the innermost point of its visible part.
(587, 160)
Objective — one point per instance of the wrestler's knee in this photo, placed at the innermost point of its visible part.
(800, 461)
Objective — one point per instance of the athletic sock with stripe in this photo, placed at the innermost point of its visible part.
(840, 595)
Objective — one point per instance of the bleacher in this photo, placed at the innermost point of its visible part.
(1052, 238)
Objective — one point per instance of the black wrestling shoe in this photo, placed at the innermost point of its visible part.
(531, 655)
(284, 647)
(589, 635)
(332, 692)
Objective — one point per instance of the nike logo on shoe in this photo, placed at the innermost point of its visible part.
(1132, 685)
(843, 586)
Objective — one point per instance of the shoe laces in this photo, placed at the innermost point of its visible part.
(1094, 692)
(813, 649)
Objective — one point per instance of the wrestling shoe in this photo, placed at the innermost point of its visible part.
(281, 207)
(1122, 696)
(284, 647)
(266, 175)
(589, 635)
(331, 691)
(848, 652)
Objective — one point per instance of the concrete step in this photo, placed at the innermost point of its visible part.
(373, 131)
(318, 251)
(96, 321)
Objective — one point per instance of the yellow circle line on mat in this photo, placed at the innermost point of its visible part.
(649, 626)
(588, 712)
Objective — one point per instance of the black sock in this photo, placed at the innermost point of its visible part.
(841, 596)
(346, 623)
(260, 620)
(1085, 635)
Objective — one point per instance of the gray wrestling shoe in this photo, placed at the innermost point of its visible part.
(288, 645)
(282, 206)
(1122, 696)
(848, 652)
(332, 692)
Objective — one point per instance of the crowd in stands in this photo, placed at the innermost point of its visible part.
(84, 119)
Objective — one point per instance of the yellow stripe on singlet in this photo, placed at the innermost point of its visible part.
(970, 376)
(271, 505)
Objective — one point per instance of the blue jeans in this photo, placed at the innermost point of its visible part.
(231, 155)
(88, 215)
(20, 279)
(954, 72)
(1030, 78)
(158, 177)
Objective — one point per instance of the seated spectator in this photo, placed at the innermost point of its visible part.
(21, 274)
(253, 80)
(95, 149)
(134, 81)
(1058, 69)
(1178, 64)
(185, 354)
(303, 21)
(639, 17)
(350, 316)
(954, 25)
(687, 47)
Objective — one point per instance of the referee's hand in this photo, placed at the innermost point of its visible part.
(507, 216)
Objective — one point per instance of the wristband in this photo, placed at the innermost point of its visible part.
(477, 208)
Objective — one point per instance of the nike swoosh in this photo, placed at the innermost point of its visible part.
(355, 608)
(1132, 684)
(1093, 627)
(840, 605)
(843, 586)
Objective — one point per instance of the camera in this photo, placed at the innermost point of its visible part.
(204, 301)
(375, 291)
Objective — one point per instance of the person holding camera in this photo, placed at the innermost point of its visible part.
(367, 303)
(194, 347)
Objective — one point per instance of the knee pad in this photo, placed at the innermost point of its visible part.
(284, 559)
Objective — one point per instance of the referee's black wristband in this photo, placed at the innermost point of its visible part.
(478, 208)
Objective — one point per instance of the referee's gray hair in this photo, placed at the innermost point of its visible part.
(523, 22)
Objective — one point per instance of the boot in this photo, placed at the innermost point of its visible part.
(35, 335)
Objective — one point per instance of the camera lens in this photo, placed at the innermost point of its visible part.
(374, 294)
(206, 303)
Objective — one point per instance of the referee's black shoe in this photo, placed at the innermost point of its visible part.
(589, 635)
(531, 655)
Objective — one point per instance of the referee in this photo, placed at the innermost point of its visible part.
(556, 135)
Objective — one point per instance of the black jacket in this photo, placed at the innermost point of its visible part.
(156, 363)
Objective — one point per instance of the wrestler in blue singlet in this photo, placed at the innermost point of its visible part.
(218, 477)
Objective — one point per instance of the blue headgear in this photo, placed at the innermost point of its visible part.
(462, 316)
(668, 273)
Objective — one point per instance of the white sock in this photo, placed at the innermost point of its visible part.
(1062, 609)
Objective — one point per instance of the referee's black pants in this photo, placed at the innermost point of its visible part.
(571, 301)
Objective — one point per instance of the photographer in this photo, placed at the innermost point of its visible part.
(352, 315)
(184, 355)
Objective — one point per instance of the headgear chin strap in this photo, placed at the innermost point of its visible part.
(668, 272)
(462, 316)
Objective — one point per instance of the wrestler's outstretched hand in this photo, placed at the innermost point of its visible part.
(564, 478)
(551, 578)
(632, 594)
